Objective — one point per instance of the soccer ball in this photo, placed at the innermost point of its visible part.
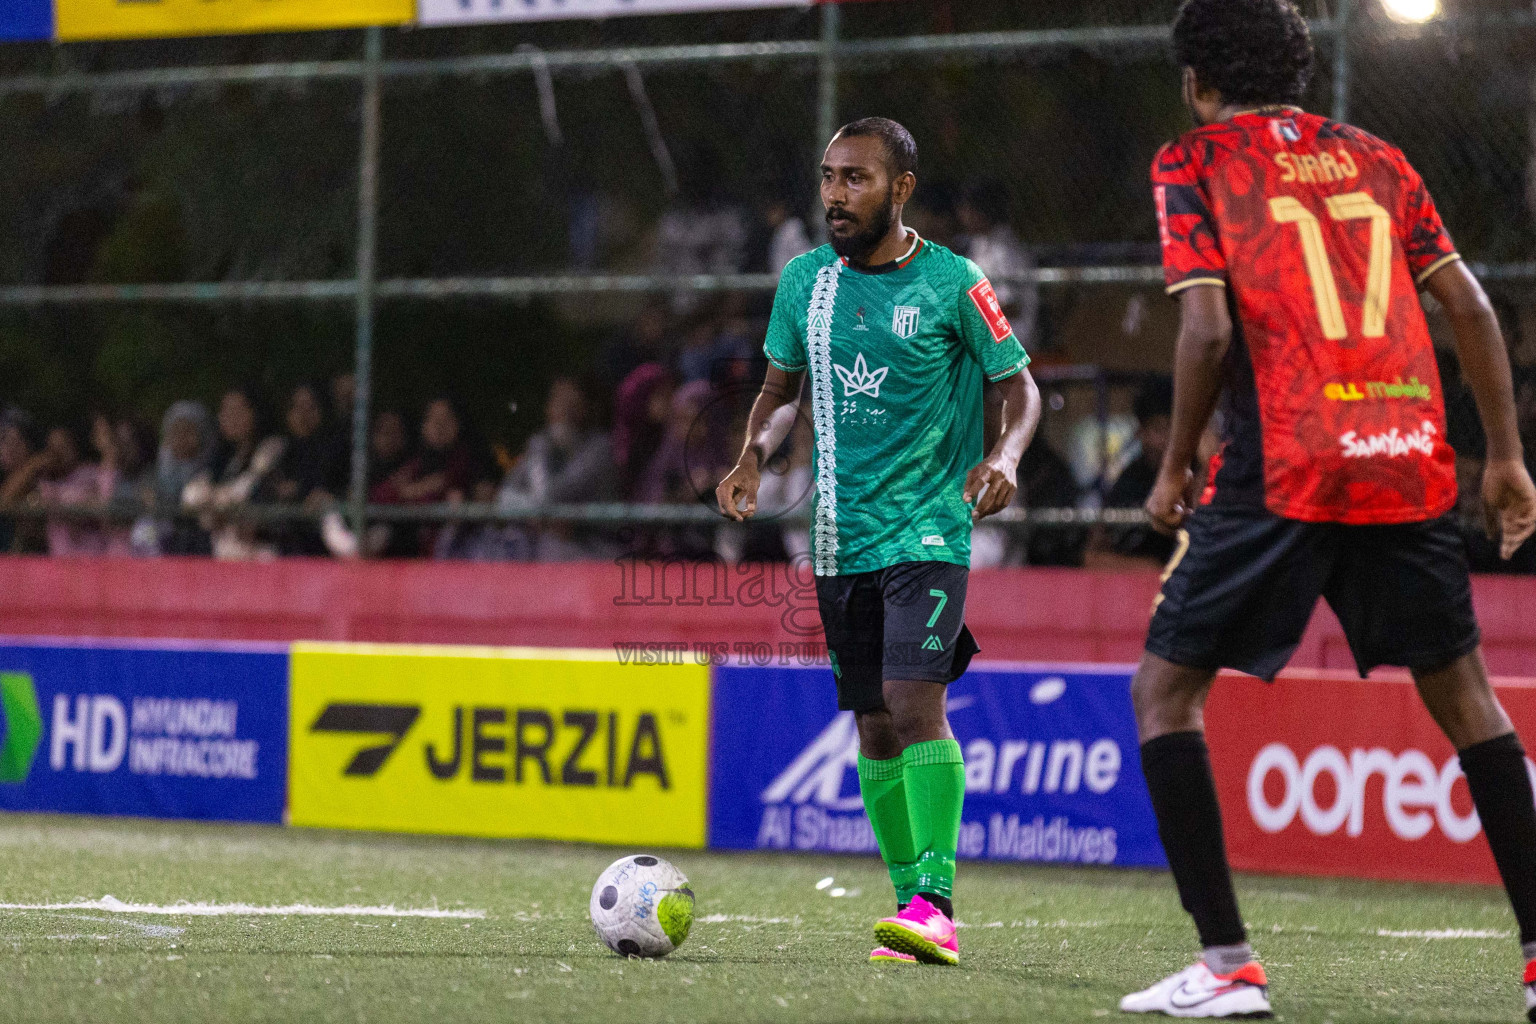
(642, 906)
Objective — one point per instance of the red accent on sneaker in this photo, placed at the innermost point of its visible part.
(1252, 972)
(1530, 972)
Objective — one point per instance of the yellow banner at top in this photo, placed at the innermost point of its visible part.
(134, 19)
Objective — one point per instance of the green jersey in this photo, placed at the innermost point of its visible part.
(896, 359)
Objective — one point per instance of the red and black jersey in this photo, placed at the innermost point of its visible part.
(1322, 235)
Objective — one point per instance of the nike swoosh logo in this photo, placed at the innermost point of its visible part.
(1194, 998)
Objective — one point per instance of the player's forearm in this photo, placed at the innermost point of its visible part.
(1485, 364)
(1484, 359)
(1012, 413)
(773, 416)
(1196, 388)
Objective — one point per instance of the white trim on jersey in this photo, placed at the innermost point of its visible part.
(818, 343)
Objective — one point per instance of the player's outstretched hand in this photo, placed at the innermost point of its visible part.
(1509, 504)
(991, 484)
(737, 493)
(1171, 501)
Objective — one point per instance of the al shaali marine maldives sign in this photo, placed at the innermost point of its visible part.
(462, 12)
(1051, 769)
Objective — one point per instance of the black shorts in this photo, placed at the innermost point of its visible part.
(903, 622)
(1242, 585)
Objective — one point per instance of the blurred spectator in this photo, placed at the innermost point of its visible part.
(1045, 481)
(1125, 547)
(343, 398)
(239, 465)
(705, 233)
(642, 411)
(689, 460)
(441, 471)
(135, 476)
(644, 342)
(343, 407)
(186, 446)
(719, 348)
(72, 481)
(992, 245)
(785, 491)
(18, 445)
(687, 464)
(442, 468)
(1525, 414)
(789, 237)
(933, 213)
(309, 472)
(569, 461)
(388, 444)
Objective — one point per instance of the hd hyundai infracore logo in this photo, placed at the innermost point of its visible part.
(23, 726)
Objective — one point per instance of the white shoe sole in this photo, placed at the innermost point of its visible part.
(1244, 1004)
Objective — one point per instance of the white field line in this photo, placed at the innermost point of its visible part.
(1445, 933)
(113, 905)
(150, 931)
(1027, 923)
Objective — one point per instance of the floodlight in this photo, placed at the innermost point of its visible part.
(1414, 12)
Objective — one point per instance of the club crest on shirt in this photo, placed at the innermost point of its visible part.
(904, 324)
(861, 380)
(861, 325)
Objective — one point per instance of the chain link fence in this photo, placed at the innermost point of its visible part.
(182, 216)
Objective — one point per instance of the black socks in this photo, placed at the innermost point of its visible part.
(1501, 792)
(943, 903)
(1178, 771)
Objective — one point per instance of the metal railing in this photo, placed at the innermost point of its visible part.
(612, 514)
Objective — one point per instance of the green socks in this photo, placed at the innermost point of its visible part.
(885, 802)
(914, 803)
(934, 776)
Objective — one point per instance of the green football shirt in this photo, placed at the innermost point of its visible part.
(896, 359)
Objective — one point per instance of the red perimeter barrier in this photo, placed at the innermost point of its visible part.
(1326, 774)
(1016, 614)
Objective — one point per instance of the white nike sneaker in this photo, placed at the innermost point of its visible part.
(1197, 992)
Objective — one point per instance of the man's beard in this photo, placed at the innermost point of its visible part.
(856, 248)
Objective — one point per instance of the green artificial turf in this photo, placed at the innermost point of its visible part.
(1041, 944)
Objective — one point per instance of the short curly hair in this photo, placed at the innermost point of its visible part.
(1250, 51)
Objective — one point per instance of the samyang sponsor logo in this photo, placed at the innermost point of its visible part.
(1327, 791)
(576, 747)
(1393, 444)
(198, 738)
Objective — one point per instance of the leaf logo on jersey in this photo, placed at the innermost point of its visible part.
(991, 310)
(861, 380)
(904, 323)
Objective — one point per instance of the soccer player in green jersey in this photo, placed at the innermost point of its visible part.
(912, 367)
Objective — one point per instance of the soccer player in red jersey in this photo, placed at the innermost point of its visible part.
(1297, 247)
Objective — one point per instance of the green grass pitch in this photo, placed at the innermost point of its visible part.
(1041, 944)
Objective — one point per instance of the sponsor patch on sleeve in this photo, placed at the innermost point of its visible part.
(991, 310)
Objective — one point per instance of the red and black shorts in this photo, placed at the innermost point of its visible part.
(1243, 583)
(905, 622)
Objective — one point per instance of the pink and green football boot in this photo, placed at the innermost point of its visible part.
(885, 955)
(922, 931)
